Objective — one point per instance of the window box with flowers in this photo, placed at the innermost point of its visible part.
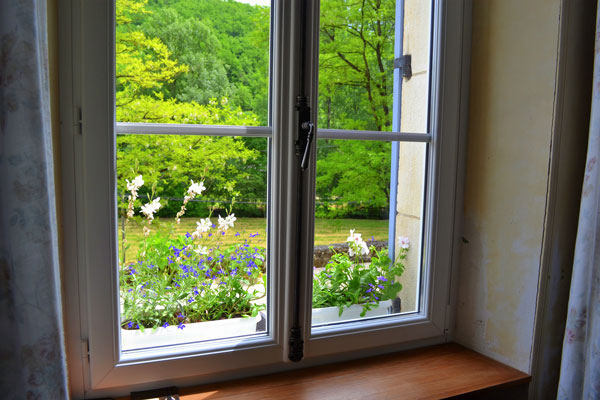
(197, 284)
(177, 280)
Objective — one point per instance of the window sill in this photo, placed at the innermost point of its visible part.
(443, 371)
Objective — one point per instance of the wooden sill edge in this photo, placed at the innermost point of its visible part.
(439, 371)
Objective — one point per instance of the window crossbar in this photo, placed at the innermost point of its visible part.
(143, 128)
(373, 135)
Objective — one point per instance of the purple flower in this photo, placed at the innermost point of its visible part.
(187, 235)
(237, 234)
(165, 325)
(382, 279)
(254, 234)
(181, 326)
(180, 316)
(130, 325)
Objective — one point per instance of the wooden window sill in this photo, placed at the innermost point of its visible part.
(437, 372)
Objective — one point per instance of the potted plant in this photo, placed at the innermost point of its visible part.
(346, 282)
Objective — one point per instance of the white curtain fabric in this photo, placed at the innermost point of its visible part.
(580, 365)
(32, 356)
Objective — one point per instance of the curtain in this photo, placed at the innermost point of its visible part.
(32, 355)
(580, 365)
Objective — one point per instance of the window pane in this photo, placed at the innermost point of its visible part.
(356, 63)
(354, 273)
(194, 62)
(192, 237)
(415, 90)
(359, 89)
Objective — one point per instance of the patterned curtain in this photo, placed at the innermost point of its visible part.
(580, 366)
(32, 355)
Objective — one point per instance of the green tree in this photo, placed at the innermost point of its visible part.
(142, 63)
(243, 32)
(355, 92)
(145, 66)
(355, 175)
(357, 51)
(193, 43)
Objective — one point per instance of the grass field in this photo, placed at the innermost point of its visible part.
(327, 231)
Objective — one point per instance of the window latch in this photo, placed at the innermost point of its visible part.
(404, 64)
(305, 131)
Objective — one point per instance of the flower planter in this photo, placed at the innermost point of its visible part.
(132, 339)
(327, 315)
(193, 332)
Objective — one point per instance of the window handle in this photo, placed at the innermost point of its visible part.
(305, 131)
(309, 137)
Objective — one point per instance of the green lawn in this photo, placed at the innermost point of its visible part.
(327, 231)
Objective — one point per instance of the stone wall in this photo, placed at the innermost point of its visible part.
(322, 254)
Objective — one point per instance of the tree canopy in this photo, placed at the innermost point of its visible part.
(207, 62)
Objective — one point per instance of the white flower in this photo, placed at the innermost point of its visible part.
(137, 182)
(196, 189)
(227, 222)
(202, 250)
(356, 244)
(354, 237)
(203, 225)
(149, 209)
(403, 242)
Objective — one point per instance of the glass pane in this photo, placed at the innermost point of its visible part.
(192, 238)
(415, 90)
(194, 62)
(359, 89)
(192, 209)
(355, 273)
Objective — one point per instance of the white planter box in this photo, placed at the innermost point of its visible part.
(132, 339)
(195, 332)
(328, 315)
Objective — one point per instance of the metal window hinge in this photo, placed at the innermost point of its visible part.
(404, 63)
(85, 349)
(77, 117)
(296, 345)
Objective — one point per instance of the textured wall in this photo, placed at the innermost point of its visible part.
(513, 82)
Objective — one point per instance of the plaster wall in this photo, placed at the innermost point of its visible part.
(513, 84)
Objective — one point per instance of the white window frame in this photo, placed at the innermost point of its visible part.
(87, 137)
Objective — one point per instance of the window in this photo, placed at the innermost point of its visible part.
(203, 119)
